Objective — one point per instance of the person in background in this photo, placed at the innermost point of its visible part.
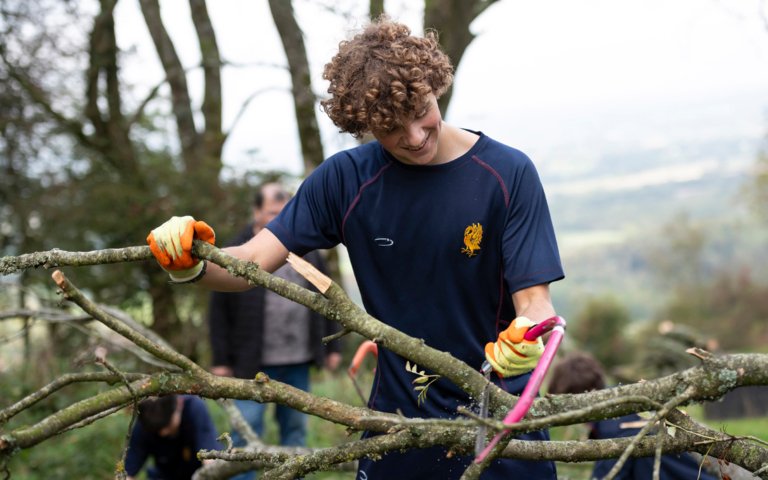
(258, 330)
(170, 429)
(448, 232)
(580, 372)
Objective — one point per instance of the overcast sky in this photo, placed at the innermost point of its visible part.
(538, 73)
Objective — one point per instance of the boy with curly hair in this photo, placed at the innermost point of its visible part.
(448, 232)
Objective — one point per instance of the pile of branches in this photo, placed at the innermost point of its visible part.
(670, 430)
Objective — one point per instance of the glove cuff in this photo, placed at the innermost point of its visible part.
(190, 275)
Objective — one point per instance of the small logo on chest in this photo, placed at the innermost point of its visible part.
(384, 241)
(473, 235)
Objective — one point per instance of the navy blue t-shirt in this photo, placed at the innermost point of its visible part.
(673, 466)
(436, 251)
(176, 456)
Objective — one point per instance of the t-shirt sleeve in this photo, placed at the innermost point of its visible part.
(531, 256)
(312, 219)
(137, 452)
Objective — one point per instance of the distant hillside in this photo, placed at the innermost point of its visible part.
(607, 215)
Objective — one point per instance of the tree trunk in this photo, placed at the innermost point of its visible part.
(301, 84)
(451, 20)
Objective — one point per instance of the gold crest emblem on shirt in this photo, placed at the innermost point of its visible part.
(473, 235)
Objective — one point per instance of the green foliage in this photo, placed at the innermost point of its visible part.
(729, 307)
(661, 350)
(91, 452)
(599, 328)
(88, 453)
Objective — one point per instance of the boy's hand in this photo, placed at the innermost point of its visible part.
(171, 244)
(512, 354)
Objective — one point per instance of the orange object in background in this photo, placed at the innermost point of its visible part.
(365, 348)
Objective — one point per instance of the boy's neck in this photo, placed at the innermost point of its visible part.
(454, 142)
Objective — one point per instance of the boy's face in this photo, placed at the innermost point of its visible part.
(415, 143)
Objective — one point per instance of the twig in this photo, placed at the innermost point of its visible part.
(239, 423)
(59, 383)
(657, 456)
(673, 403)
(341, 333)
(101, 359)
(566, 418)
(87, 421)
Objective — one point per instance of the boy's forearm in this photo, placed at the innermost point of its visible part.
(264, 249)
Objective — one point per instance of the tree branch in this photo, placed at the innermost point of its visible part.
(59, 383)
(162, 352)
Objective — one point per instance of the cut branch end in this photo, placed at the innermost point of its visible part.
(308, 271)
(59, 278)
(699, 353)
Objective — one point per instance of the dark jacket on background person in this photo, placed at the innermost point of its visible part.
(674, 466)
(175, 456)
(236, 324)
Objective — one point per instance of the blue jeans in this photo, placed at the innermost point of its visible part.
(292, 423)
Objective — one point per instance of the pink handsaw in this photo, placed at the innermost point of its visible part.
(555, 324)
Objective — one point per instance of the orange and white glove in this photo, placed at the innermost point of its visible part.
(512, 354)
(171, 244)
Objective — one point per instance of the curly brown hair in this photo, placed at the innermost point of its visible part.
(380, 78)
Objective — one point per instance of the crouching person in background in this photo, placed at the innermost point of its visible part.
(171, 429)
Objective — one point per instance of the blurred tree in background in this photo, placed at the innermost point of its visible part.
(91, 166)
(600, 328)
(99, 164)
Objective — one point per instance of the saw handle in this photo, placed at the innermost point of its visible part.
(543, 327)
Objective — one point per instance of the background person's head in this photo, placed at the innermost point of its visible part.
(269, 200)
(577, 372)
(382, 77)
(161, 415)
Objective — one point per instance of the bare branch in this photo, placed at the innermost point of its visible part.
(62, 258)
(59, 383)
(73, 294)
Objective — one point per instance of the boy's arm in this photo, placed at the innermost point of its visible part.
(534, 302)
(264, 248)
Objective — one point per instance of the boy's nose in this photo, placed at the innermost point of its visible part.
(414, 135)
